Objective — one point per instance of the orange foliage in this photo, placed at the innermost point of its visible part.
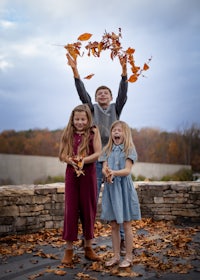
(153, 145)
(77, 162)
(145, 67)
(109, 41)
(84, 37)
(132, 79)
(89, 76)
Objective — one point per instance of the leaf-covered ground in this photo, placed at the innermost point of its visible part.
(159, 246)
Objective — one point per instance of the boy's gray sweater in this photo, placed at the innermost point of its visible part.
(104, 118)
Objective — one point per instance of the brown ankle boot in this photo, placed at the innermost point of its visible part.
(91, 255)
(67, 259)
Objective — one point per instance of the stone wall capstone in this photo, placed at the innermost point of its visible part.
(29, 208)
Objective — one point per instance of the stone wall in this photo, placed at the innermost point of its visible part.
(28, 208)
(177, 201)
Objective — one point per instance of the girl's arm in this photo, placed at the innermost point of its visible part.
(97, 148)
(105, 169)
(67, 159)
(123, 172)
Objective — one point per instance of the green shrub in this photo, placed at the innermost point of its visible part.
(140, 178)
(181, 175)
(50, 180)
(6, 182)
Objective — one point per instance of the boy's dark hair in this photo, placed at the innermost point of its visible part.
(103, 87)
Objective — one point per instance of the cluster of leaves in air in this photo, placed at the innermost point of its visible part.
(111, 42)
(158, 245)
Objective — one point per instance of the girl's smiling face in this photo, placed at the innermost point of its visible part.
(80, 121)
(117, 134)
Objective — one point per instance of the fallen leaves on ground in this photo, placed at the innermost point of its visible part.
(158, 246)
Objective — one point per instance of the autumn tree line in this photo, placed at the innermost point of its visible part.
(153, 145)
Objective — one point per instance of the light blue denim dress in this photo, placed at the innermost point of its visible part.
(119, 200)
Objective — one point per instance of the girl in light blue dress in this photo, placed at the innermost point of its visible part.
(120, 203)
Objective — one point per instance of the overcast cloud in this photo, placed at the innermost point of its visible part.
(37, 86)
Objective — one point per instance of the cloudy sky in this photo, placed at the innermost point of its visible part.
(37, 87)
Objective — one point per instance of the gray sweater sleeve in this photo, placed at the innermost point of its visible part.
(122, 95)
(83, 94)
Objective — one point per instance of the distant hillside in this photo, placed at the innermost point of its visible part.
(153, 145)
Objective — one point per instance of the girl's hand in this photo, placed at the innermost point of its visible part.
(109, 179)
(109, 175)
(69, 160)
(78, 163)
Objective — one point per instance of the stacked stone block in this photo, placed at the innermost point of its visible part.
(29, 208)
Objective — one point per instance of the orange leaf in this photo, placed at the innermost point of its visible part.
(60, 272)
(84, 37)
(145, 67)
(132, 78)
(89, 76)
(130, 51)
(135, 69)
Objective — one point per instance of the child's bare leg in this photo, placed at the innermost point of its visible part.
(129, 245)
(69, 245)
(115, 244)
(128, 239)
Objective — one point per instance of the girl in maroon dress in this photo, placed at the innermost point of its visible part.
(80, 148)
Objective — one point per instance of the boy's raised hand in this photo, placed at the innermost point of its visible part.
(71, 61)
(123, 62)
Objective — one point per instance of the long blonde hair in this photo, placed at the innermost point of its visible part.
(66, 144)
(128, 140)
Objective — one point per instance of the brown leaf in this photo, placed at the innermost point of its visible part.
(132, 78)
(111, 42)
(60, 272)
(83, 275)
(84, 37)
(145, 67)
(89, 76)
(130, 51)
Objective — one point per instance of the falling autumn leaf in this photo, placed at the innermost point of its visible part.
(132, 78)
(89, 76)
(109, 41)
(84, 37)
(145, 67)
(130, 51)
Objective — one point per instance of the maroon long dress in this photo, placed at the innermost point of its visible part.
(80, 197)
